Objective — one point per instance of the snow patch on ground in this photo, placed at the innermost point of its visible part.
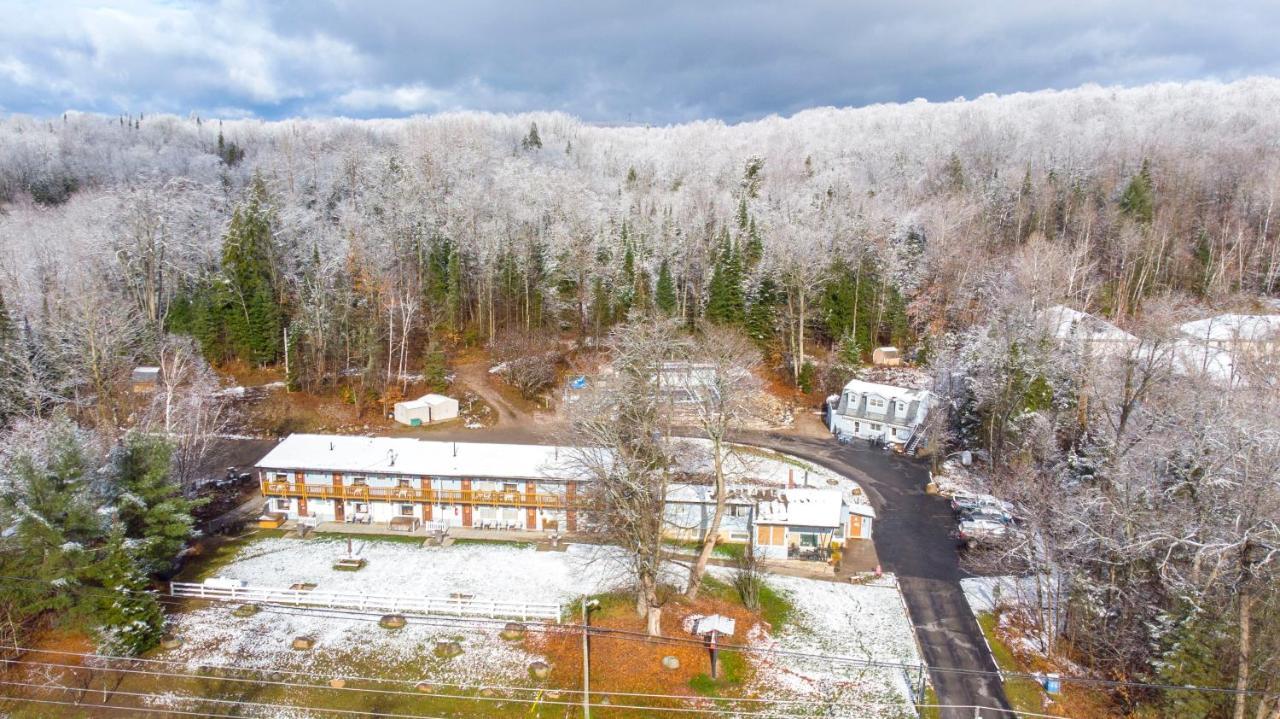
(863, 621)
(866, 622)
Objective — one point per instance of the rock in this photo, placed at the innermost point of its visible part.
(604, 701)
(337, 683)
(170, 643)
(246, 610)
(303, 643)
(512, 632)
(931, 488)
(424, 687)
(448, 650)
(539, 670)
(670, 662)
(392, 621)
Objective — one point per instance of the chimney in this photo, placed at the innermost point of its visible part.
(791, 478)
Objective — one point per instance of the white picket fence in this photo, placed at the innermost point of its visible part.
(455, 606)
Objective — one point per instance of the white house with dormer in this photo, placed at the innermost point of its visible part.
(879, 412)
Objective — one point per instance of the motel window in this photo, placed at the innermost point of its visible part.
(875, 427)
(358, 482)
(406, 510)
(359, 507)
(509, 487)
(282, 478)
(282, 505)
(406, 482)
(738, 510)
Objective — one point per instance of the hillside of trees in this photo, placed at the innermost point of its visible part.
(372, 240)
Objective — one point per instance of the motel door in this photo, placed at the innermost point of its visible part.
(339, 505)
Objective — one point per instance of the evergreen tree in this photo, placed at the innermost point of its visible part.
(14, 371)
(52, 497)
(754, 251)
(762, 315)
(435, 369)
(1138, 201)
(665, 293)
(127, 616)
(150, 506)
(726, 304)
(453, 292)
(248, 253)
(1192, 655)
(627, 279)
(532, 141)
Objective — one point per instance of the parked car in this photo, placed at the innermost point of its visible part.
(969, 500)
(986, 512)
(973, 532)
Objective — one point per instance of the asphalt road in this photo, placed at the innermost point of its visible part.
(912, 535)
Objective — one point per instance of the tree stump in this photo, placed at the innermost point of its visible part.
(512, 632)
(392, 621)
(448, 650)
(539, 670)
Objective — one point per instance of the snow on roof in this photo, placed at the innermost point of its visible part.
(404, 455)
(1197, 360)
(1229, 327)
(1066, 323)
(426, 400)
(857, 386)
(753, 474)
(802, 507)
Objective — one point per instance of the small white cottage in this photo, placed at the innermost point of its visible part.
(427, 409)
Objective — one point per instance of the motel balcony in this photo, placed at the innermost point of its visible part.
(412, 494)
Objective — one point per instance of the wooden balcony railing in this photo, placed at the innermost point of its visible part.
(412, 494)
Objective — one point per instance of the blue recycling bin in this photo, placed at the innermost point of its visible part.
(1052, 683)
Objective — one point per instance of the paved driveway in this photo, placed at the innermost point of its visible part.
(912, 535)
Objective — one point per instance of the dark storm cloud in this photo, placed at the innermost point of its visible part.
(651, 61)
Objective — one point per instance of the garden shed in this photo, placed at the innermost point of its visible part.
(426, 409)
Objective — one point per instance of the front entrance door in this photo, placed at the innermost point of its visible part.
(339, 513)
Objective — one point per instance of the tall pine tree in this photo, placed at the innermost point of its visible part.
(253, 322)
(665, 292)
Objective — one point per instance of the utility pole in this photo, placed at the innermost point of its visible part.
(587, 606)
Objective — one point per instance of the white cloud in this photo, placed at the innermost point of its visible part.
(402, 98)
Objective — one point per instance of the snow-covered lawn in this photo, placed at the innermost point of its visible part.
(212, 635)
(865, 622)
(862, 621)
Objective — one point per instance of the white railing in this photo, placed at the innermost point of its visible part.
(456, 606)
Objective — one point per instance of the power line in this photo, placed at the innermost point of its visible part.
(232, 702)
(420, 694)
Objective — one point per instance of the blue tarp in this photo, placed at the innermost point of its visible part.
(578, 383)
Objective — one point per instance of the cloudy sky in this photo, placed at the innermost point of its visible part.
(643, 61)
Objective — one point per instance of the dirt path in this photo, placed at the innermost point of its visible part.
(475, 375)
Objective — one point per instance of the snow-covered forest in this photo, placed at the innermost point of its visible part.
(373, 238)
(941, 228)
